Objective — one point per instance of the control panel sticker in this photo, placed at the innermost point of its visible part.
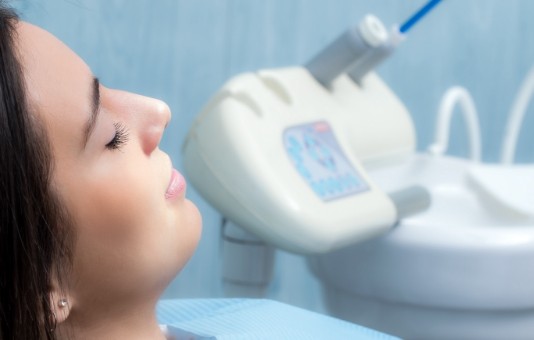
(318, 158)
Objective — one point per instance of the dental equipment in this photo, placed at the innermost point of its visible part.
(265, 153)
(450, 267)
(515, 118)
(418, 16)
(369, 35)
(281, 153)
(510, 197)
(457, 95)
(362, 48)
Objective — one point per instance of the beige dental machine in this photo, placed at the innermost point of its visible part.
(284, 153)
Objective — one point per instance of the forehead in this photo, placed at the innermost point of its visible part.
(48, 63)
(58, 82)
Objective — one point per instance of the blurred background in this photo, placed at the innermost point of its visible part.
(182, 51)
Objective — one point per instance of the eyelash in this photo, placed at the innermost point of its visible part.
(120, 137)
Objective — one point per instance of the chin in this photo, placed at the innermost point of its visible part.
(195, 219)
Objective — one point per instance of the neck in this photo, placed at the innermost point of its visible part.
(127, 322)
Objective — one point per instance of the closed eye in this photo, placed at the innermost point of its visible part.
(120, 138)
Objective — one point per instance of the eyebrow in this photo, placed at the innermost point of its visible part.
(95, 109)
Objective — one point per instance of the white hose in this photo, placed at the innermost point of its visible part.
(452, 96)
(515, 118)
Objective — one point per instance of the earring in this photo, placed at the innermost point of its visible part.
(62, 303)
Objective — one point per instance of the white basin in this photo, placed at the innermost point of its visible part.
(464, 269)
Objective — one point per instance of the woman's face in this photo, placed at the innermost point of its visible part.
(134, 229)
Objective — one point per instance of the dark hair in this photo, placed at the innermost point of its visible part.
(34, 233)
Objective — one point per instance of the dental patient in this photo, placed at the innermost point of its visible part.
(94, 223)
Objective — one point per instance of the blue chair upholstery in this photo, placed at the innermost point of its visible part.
(232, 319)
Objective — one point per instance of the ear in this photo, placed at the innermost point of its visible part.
(60, 304)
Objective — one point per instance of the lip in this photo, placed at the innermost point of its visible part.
(176, 186)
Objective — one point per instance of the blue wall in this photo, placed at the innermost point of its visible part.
(183, 50)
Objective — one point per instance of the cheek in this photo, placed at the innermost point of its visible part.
(116, 219)
(115, 209)
(120, 202)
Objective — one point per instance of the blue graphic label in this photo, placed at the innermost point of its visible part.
(317, 157)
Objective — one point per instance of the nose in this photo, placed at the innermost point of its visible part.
(145, 116)
(154, 118)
